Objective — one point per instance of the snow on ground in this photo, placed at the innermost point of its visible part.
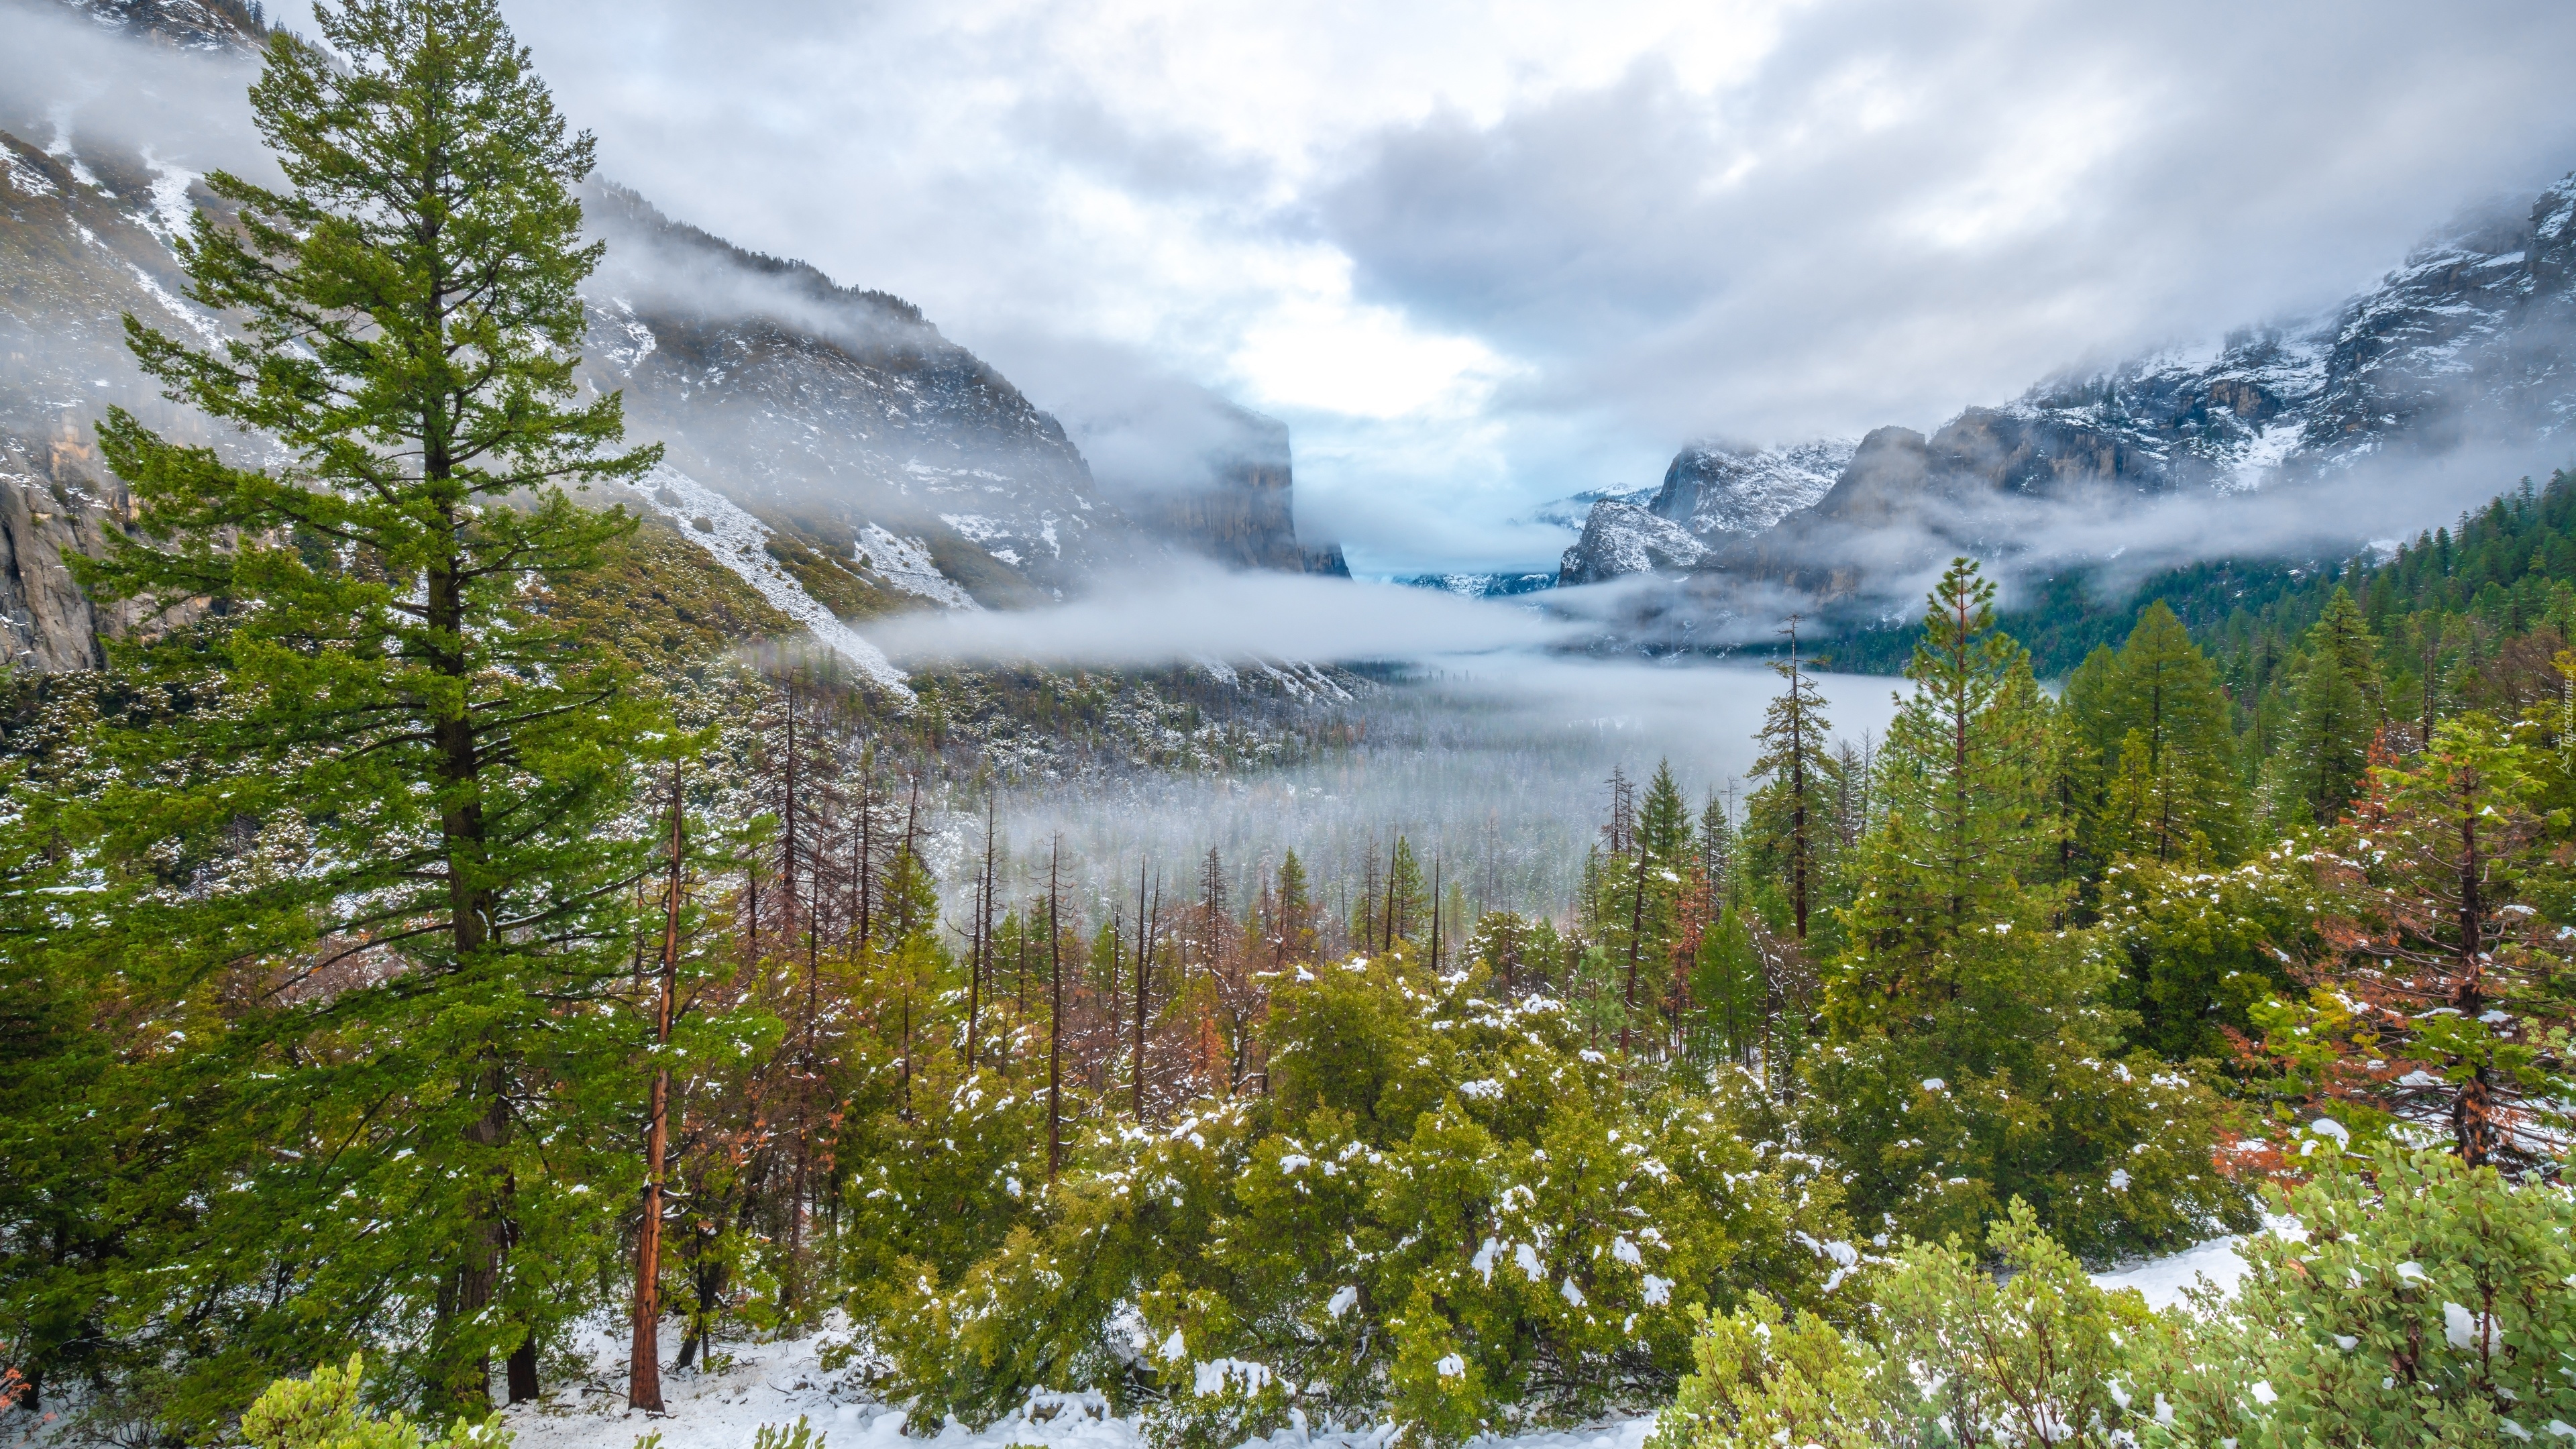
(2215, 1262)
(740, 542)
(772, 1383)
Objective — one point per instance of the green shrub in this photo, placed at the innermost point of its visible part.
(324, 1412)
(1452, 1213)
(2427, 1304)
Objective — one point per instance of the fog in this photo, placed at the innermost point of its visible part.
(1495, 767)
(64, 76)
(1187, 612)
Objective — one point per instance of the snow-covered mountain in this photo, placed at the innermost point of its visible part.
(875, 464)
(1711, 490)
(2465, 344)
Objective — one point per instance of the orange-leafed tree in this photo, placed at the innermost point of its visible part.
(2444, 996)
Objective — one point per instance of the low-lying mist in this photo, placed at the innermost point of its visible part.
(1496, 767)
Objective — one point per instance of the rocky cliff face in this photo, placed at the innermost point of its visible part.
(82, 244)
(878, 465)
(1712, 492)
(2467, 342)
(828, 410)
(1243, 513)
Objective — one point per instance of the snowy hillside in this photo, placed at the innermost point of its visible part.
(775, 1383)
(2465, 342)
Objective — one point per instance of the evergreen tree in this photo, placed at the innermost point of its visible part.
(1967, 1037)
(1406, 911)
(1965, 770)
(1791, 807)
(1663, 821)
(2151, 729)
(378, 691)
(1727, 987)
(2444, 999)
(2335, 713)
(1295, 929)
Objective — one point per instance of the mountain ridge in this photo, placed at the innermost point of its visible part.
(2463, 343)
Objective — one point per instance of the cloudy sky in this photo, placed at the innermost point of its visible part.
(1483, 256)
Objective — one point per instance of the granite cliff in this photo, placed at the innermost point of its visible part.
(2465, 343)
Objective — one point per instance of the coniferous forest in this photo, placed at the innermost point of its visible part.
(429, 935)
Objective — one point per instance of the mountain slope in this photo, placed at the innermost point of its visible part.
(2463, 345)
(878, 466)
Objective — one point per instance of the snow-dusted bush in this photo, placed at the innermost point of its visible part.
(2422, 1303)
(2419, 1303)
(1452, 1212)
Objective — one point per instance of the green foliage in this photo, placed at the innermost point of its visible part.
(2029, 1353)
(1785, 834)
(1972, 1058)
(1759, 1379)
(324, 1412)
(2153, 758)
(2196, 951)
(2446, 997)
(2422, 1303)
(363, 843)
(799, 1435)
(1449, 1211)
(2335, 712)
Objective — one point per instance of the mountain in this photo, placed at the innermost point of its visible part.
(825, 443)
(2466, 344)
(1241, 509)
(1711, 491)
(1479, 586)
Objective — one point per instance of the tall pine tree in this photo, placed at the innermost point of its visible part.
(377, 688)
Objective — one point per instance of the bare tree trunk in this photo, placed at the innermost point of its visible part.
(2473, 1113)
(644, 1361)
(1055, 1023)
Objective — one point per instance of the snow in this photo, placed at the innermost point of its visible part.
(906, 564)
(2214, 1263)
(24, 179)
(2262, 457)
(739, 542)
(760, 1384)
(170, 213)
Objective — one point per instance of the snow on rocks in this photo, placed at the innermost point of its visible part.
(906, 564)
(740, 542)
(1621, 539)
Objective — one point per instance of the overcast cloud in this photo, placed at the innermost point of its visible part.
(1481, 256)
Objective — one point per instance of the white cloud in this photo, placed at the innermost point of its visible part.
(1483, 254)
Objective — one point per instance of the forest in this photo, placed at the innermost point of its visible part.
(403, 970)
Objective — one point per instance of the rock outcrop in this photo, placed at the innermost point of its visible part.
(1242, 513)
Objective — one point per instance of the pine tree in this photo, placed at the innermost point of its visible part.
(377, 676)
(1406, 912)
(2152, 725)
(1294, 930)
(2336, 711)
(1796, 769)
(2445, 999)
(1968, 1042)
(1965, 771)
(1663, 821)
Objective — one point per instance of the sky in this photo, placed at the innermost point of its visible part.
(1480, 257)
(1483, 256)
